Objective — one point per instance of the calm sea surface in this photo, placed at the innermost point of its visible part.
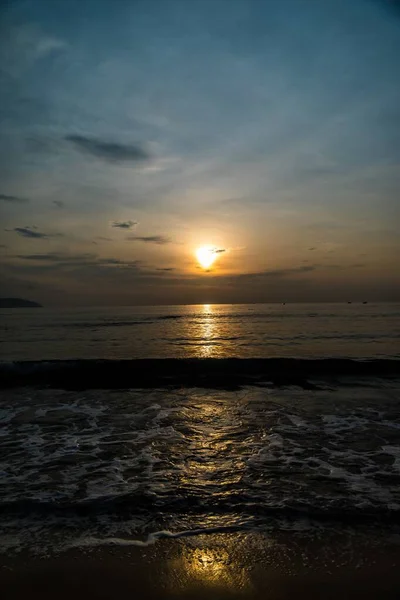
(243, 331)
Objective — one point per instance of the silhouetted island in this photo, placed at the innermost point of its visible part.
(18, 303)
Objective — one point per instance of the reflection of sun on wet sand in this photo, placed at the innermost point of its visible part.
(209, 568)
(252, 566)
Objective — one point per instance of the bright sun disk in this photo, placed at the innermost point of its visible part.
(206, 255)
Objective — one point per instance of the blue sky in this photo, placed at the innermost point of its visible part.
(133, 132)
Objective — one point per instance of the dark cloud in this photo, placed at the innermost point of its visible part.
(110, 151)
(123, 224)
(15, 199)
(54, 257)
(59, 203)
(33, 233)
(313, 248)
(275, 273)
(167, 269)
(336, 267)
(60, 260)
(218, 250)
(150, 239)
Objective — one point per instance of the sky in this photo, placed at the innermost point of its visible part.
(134, 132)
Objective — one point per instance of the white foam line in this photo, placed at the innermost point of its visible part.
(297, 420)
(151, 538)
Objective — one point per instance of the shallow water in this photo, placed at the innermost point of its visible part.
(125, 464)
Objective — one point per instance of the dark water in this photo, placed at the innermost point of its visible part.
(94, 452)
(204, 331)
(124, 464)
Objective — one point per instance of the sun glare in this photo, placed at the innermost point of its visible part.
(206, 256)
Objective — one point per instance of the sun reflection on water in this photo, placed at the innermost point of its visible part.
(212, 463)
(208, 331)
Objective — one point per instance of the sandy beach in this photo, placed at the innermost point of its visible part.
(239, 565)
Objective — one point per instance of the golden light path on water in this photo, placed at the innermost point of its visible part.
(208, 331)
(210, 564)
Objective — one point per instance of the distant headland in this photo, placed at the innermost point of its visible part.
(18, 303)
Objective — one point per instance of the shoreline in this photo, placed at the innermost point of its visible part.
(230, 565)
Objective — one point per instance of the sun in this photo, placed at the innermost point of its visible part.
(206, 255)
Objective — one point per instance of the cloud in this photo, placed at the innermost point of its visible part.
(337, 267)
(313, 248)
(275, 273)
(113, 152)
(59, 203)
(46, 45)
(124, 224)
(24, 45)
(33, 233)
(150, 239)
(103, 239)
(63, 260)
(167, 269)
(218, 250)
(53, 256)
(16, 199)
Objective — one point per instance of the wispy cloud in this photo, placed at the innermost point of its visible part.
(166, 269)
(24, 45)
(88, 269)
(33, 233)
(113, 152)
(62, 260)
(15, 199)
(124, 224)
(55, 257)
(59, 203)
(274, 273)
(150, 239)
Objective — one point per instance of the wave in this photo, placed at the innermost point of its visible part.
(152, 538)
(124, 507)
(225, 373)
(97, 324)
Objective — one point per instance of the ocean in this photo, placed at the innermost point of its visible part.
(123, 425)
(202, 331)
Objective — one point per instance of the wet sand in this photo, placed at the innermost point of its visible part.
(279, 566)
